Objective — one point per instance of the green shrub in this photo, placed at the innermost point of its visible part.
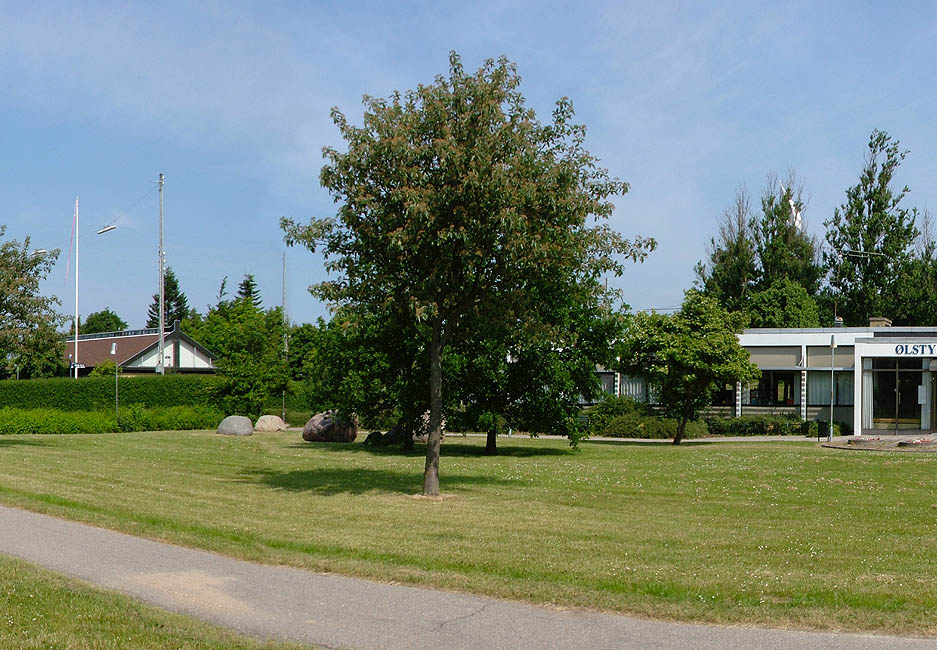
(97, 393)
(599, 416)
(636, 425)
(756, 425)
(133, 418)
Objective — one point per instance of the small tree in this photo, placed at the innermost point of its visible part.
(784, 304)
(455, 205)
(103, 321)
(686, 355)
(175, 304)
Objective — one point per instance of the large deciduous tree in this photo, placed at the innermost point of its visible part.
(29, 342)
(684, 356)
(870, 237)
(103, 321)
(455, 204)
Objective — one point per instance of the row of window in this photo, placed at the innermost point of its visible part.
(774, 388)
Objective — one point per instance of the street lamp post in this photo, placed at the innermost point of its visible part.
(829, 434)
(116, 400)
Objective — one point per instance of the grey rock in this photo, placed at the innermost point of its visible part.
(236, 425)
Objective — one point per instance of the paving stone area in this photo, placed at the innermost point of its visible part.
(886, 442)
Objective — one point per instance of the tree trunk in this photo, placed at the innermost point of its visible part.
(491, 447)
(431, 469)
(681, 427)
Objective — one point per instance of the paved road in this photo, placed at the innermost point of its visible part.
(338, 612)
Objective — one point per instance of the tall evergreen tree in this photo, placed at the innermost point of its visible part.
(785, 250)
(175, 305)
(731, 271)
(248, 291)
(871, 237)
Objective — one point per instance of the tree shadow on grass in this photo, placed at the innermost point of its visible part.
(450, 450)
(13, 440)
(668, 442)
(330, 481)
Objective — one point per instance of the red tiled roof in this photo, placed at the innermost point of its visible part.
(92, 352)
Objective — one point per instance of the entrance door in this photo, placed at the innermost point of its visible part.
(895, 395)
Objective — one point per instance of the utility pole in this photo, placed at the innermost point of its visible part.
(161, 363)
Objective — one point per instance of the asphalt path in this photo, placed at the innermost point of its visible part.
(331, 611)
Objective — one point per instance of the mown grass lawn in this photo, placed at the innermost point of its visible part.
(772, 533)
(40, 610)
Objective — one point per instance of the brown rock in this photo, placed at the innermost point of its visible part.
(326, 427)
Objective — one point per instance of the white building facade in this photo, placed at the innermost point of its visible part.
(877, 380)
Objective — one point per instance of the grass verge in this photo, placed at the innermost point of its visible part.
(777, 534)
(40, 609)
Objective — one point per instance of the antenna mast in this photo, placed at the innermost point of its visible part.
(161, 362)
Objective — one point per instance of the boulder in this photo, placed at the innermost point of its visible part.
(326, 427)
(270, 423)
(236, 425)
(421, 434)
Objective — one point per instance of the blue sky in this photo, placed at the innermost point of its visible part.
(686, 101)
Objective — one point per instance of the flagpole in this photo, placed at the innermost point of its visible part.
(76, 288)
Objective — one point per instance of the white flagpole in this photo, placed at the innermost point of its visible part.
(76, 288)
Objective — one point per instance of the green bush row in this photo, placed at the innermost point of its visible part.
(55, 421)
(636, 425)
(97, 393)
(760, 425)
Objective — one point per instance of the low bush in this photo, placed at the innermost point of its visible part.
(636, 425)
(757, 425)
(54, 421)
(599, 416)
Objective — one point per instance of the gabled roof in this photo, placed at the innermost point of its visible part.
(93, 349)
(96, 348)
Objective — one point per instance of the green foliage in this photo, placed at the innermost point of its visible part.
(598, 416)
(247, 290)
(731, 271)
(106, 368)
(132, 418)
(785, 251)
(870, 238)
(175, 304)
(784, 304)
(98, 392)
(172, 418)
(248, 344)
(757, 425)
(686, 355)
(638, 425)
(102, 321)
(455, 205)
(28, 320)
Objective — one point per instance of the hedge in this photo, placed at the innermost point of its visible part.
(55, 421)
(636, 425)
(764, 425)
(148, 391)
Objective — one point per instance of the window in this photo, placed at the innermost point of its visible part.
(818, 389)
(775, 388)
(724, 395)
